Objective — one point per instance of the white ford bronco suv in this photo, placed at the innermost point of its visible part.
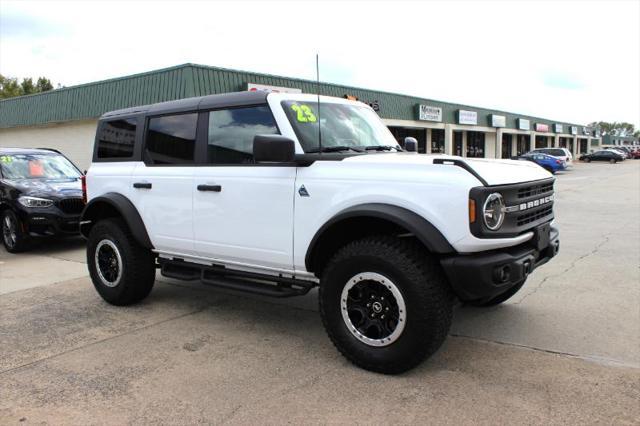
(275, 194)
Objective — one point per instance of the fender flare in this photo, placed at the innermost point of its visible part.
(124, 207)
(424, 231)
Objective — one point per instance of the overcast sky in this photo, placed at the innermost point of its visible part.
(569, 61)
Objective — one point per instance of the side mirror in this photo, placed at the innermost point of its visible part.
(273, 149)
(410, 144)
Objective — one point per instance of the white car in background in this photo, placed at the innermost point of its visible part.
(560, 153)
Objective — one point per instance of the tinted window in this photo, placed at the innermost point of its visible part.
(171, 139)
(231, 133)
(116, 138)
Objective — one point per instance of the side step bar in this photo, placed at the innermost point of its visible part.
(250, 282)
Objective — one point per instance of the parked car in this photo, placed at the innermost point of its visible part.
(548, 162)
(561, 153)
(603, 155)
(239, 191)
(618, 150)
(40, 195)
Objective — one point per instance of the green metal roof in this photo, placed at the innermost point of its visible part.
(93, 99)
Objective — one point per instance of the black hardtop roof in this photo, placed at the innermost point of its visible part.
(233, 99)
(8, 151)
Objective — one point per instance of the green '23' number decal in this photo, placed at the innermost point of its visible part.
(304, 113)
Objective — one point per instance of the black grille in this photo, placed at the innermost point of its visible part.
(533, 216)
(533, 190)
(71, 205)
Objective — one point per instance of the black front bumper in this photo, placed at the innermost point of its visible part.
(39, 223)
(485, 275)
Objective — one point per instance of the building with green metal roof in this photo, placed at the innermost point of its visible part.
(66, 118)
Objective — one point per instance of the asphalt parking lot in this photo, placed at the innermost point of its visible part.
(565, 349)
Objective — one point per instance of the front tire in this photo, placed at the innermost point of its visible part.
(385, 304)
(613, 161)
(14, 238)
(122, 271)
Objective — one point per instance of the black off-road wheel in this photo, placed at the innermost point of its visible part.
(499, 298)
(385, 304)
(14, 238)
(122, 271)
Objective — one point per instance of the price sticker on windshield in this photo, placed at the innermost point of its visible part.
(304, 114)
(5, 159)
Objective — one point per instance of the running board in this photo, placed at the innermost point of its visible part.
(249, 282)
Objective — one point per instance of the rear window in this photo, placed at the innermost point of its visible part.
(553, 151)
(116, 138)
(171, 139)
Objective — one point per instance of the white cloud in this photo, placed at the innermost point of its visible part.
(573, 61)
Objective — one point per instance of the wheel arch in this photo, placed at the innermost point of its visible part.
(367, 219)
(113, 204)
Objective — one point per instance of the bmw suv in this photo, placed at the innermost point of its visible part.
(40, 195)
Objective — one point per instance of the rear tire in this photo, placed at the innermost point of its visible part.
(613, 161)
(356, 282)
(588, 160)
(499, 298)
(14, 238)
(123, 272)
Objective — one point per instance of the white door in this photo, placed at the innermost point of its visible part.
(243, 212)
(162, 186)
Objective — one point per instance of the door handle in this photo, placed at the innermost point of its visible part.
(212, 188)
(142, 185)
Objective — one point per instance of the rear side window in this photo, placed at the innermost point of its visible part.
(116, 138)
(231, 133)
(171, 139)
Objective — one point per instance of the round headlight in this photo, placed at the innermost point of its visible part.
(493, 211)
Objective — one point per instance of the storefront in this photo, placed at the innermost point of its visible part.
(523, 144)
(507, 145)
(400, 133)
(437, 141)
(475, 145)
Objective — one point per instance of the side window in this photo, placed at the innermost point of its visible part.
(116, 138)
(231, 132)
(171, 139)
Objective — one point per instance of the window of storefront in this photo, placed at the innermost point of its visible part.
(403, 132)
(437, 141)
(583, 146)
(541, 141)
(563, 142)
(522, 144)
(507, 140)
(475, 144)
(457, 143)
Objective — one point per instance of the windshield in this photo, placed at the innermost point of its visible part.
(37, 166)
(343, 126)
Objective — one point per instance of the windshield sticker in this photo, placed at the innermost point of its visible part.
(35, 168)
(304, 113)
(5, 159)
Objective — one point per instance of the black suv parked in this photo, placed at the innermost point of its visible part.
(40, 194)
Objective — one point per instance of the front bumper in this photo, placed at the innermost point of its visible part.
(482, 276)
(39, 223)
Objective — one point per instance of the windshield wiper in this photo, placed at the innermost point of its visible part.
(336, 148)
(381, 148)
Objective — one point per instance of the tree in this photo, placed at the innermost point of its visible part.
(9, 86)
(615, 128)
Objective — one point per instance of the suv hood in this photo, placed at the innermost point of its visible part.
(495, 172)
(48, 188)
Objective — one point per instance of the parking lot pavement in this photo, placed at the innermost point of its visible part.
(564, 350)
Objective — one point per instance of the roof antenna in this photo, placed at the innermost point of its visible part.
(318, 93)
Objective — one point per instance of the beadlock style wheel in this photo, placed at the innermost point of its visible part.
(108, 263)
(373, 309)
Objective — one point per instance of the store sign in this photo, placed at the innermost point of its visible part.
(558, 128)
(573, 130)
(375, 105)
(467, 117)
(540, 127)
(598, 133)
(586, 131)
(253, 87)
(429, 113)
(498, 120)
(524, 124)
